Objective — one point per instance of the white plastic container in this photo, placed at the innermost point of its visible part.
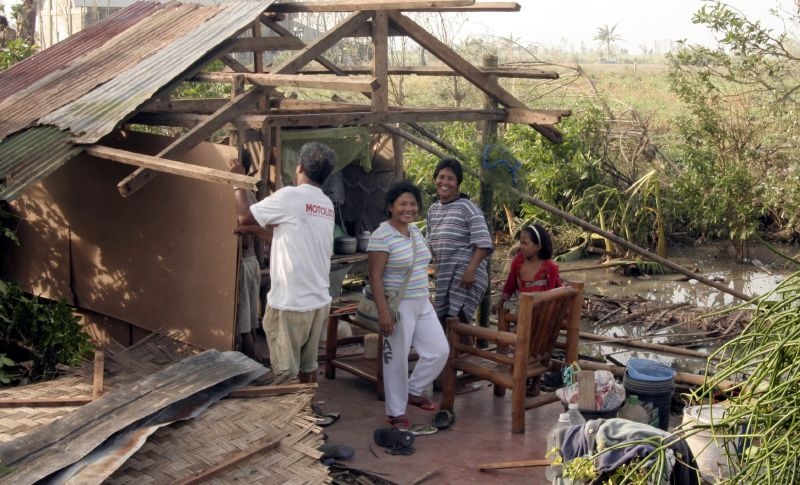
(709, 454)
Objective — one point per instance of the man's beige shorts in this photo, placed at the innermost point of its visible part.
(293, 338)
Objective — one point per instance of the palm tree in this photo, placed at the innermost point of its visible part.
(606, 36)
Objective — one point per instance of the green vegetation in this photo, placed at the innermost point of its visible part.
(39, 333)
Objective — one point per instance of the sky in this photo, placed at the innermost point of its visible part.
(551, 23)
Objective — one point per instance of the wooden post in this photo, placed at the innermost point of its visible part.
(574, 323)
(236, 137)
(489, 138)
(380, 61)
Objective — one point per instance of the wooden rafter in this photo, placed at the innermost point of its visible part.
(316, 48)
(197, 134)
(349, 83)
(482, 81)
(437, 71)
(476, 7)
(229, 61)
(276, 43)
(289, 118)
(172, 166)
(356, 5)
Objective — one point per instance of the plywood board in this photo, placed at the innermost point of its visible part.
(165, 258)
(40, 263)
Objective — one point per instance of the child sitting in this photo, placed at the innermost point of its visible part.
(532, 269)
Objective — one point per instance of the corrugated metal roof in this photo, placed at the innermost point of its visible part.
(24, 73)
(30, 156)
(87, 72)
(91, 82)
(98, 112)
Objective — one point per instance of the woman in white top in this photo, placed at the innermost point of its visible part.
(395, 248)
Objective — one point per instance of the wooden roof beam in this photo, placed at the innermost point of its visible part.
(508, 72)
(318, 47)
(484, 82)
(346, 83)
(476, 7)
(356, 5)
(288, 118)
(397, 71)
(275, 43)
(197, 134)
(172, 166)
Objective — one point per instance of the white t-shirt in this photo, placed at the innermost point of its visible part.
(302, 245)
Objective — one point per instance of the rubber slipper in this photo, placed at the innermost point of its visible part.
(393, 438)
(337, 452)
(422, 402)
(444, 419)
(327, 419)
(419, 429)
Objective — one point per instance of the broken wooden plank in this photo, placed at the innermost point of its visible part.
(273, 390)
(529, 116)
(513, 464)
(97, 375)
(44, 402)
(172, 166)
(625, 342)
(355, 5)
(586, 390)
(187, 141)
(265, 444)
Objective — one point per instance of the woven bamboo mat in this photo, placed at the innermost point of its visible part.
(231, 425)
(19, 421)
(176, 451)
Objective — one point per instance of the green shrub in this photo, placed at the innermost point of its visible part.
(42, 332)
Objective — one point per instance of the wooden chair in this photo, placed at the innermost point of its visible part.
(518, 355)
(356, 364)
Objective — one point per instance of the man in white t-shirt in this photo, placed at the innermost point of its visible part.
(298, 301)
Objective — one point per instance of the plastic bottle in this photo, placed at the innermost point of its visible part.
(563, 421)
(575, 416)
(634, 411)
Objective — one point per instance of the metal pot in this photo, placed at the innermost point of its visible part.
(345, 245)
(363, 242)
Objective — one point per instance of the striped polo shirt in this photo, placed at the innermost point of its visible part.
(387, 239)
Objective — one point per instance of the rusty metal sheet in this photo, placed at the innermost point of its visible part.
(24, 73)
(30, 156)
(140, 41)
(97, 113)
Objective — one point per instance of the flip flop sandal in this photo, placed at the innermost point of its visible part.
(422, 402)
(444, 419)
(327, 419)
(336, 452)
(393, 438)
(419, 429)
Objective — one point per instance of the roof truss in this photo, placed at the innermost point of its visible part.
(254, 111)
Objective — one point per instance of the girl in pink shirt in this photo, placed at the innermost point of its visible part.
(532, 269)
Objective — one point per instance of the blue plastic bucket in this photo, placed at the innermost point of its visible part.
(653, 382)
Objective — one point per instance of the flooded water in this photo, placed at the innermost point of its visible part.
(757, 278)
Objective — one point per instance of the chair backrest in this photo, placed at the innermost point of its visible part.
(541, 316)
